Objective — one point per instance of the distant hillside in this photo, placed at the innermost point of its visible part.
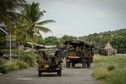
(121, 32)
(117, 38)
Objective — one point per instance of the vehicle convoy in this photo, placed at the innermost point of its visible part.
(78, 52)
(49, 60)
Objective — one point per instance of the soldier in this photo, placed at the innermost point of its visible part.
(78, 51)
(53, 62)
(87, 55)
(92, 53)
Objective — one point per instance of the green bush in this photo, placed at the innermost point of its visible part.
(2, 61)
(8, 67)
(111, 67)
(21, 64)
(28, 57)
(12, 66)
(3, 69)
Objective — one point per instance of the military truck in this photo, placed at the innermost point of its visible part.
(78, 52)
(49, 61)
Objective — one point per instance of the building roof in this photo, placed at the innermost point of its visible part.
(108, 46)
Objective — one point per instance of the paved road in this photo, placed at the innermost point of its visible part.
(29, 76)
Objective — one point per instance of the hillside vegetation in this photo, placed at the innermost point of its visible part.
(116, 38)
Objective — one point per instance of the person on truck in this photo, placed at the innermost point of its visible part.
(87, 55)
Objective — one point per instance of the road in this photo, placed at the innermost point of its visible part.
(76, 75)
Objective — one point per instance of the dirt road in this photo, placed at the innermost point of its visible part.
(29, 76)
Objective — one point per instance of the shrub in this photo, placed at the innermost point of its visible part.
(2, 61)
(7, 67)
(21, 64)
(28, 57)
(111, 67)
(3, 69)
(11, 66)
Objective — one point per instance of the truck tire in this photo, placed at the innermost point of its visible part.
(39, 73)
(83, 65)
(68, 64)
(73, 65)
(59, 73)
(88, 64)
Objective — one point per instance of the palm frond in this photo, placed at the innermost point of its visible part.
(45, 22)
(7, 6)
(43, 29)
(32, 11)
(13, 16)
(10, 4)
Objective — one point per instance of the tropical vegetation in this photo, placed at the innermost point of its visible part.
(21, 22)
(117, 39)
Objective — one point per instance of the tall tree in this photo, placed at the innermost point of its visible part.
(51, 40)
(31, 24)
(8, 15)
(8, 10)
(33, 14)
(67, 38)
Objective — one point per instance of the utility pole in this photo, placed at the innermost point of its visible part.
(10, 48)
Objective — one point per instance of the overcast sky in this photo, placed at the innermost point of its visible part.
(83, 17)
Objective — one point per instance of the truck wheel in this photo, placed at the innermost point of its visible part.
(39, 73)
(68, 64)
(73, 65)
(88, 64)
(83, 65)
(91, 60)
(59, 73)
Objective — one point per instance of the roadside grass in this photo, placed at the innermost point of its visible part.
(26, 60)
(12, 66)
(113, 72)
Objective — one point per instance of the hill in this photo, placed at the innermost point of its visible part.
(117, 38)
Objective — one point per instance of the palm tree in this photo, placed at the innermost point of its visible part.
(33, 14)
(8, 15)
(7, 9)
